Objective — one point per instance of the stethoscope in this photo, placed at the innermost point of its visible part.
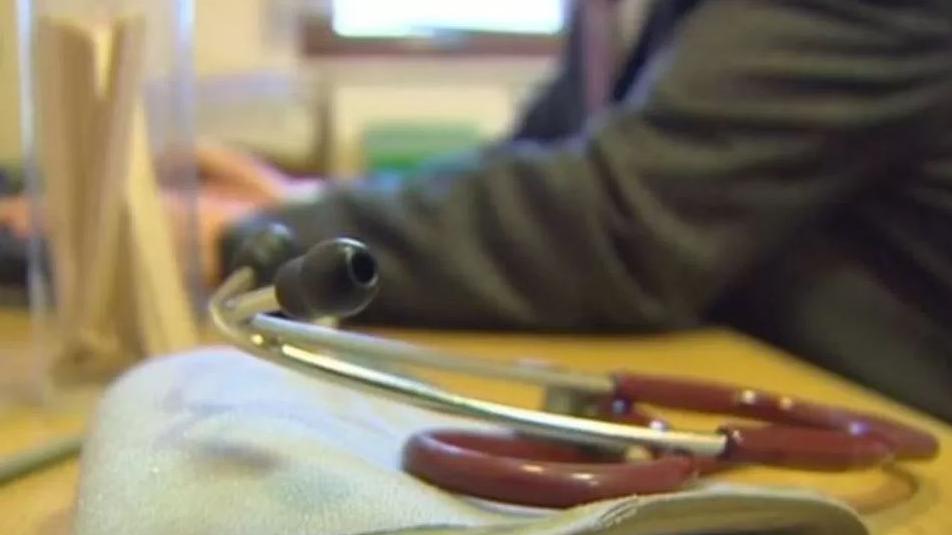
(577, 449)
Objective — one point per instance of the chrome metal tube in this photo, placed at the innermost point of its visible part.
(243, 307)
(390, 351)
(236, 283)
(537, 423)
(238, 316)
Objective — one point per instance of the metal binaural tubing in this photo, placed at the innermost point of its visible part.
(239, 281)
(537, 423)
(246, 307)
(277, 340)
(400, 352)
(243, 307)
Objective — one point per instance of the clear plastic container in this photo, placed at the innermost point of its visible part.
(108, 129)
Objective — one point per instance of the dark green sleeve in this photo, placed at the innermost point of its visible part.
(757, 122)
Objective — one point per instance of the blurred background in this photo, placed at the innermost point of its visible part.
(321, 85)
(336, 89)
(332, 88)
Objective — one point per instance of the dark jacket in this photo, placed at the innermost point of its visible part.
(784, 167)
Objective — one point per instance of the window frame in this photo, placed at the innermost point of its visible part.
(318, 38)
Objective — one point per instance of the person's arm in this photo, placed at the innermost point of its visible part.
(759, 121)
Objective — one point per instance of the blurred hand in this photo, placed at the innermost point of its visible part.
(15, 215)
(233, 185)
(215, 215)
(231, 174)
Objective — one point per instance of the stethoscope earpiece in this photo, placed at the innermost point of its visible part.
(335, 278)
(265, 251)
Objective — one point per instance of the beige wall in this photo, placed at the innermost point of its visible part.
(231, 42)
(230, 37)
(216, 53)
(355, 92)
(9, 82)
(486, 93)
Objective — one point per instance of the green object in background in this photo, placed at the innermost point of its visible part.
(401, 147)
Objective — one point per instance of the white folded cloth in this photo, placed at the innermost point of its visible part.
(218, 442)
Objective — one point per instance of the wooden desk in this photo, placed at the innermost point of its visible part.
(40, 503)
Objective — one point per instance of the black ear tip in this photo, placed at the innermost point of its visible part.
(266, 250)
(361, 266)
(336, 278)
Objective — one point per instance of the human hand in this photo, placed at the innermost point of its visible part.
(15, 215)
(232, 174)
(233, 185)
